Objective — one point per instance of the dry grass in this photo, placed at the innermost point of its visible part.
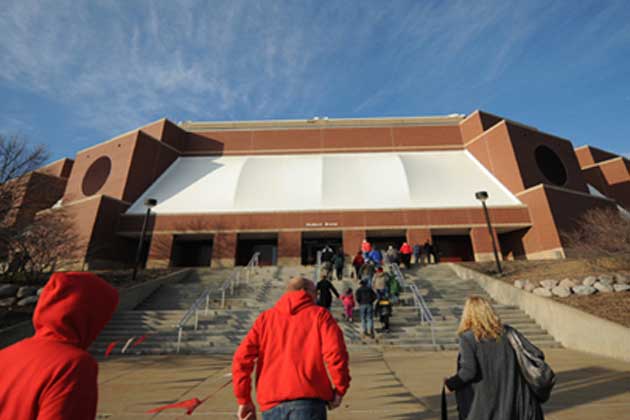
(614, 307)
(551, 269)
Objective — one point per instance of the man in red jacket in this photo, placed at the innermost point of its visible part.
(291, 345)
(51, 376)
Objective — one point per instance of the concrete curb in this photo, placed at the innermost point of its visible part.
(129, 299)
(573, 328)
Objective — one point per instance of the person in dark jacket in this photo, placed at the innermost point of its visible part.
(383, 309)
(327, 257)
(428, 251)
(365, 298)
(339, 261)
(357, 263)
(488, 365)
(327, 254)
(367, 272)
(325, 290)
(417, 252)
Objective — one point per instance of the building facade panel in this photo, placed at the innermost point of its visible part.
(150, 159)
(494, 150)
(426, 137)
(289, 248)
(87, 180)
(482, 244)
(530, 147)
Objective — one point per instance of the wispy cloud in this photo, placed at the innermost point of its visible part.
(118, 65)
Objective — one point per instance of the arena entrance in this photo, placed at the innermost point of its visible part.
(383, 239)
(453, 247)
(316, 241)
(192, 251)
(265, 243)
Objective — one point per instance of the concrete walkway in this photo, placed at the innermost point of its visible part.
(390, 385)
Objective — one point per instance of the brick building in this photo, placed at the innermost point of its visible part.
(285, 188)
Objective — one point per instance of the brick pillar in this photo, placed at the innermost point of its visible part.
(352, 241)
(224, 250)
(160, 251)
(418, 236)
(289, 248)
(482, 244)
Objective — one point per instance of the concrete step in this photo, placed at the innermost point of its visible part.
(222, 329)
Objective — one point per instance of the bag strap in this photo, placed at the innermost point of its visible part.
(444, 405)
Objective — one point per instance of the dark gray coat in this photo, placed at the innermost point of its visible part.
(500, 392)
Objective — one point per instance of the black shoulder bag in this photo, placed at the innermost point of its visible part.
(536, 372)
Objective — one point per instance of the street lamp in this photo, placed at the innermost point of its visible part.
(149, 203)
(483, 196)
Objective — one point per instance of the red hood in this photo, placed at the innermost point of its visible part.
(293, 302)
(74, 308)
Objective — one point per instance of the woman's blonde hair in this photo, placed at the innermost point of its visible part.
(480, 318)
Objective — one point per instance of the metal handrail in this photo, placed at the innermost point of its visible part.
(318, 267)
(418, 300)
(229, 284)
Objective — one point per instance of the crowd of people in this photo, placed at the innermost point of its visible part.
(376, 290)
(296, 348)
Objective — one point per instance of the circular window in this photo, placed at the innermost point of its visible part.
(96, 175)
(550, 165)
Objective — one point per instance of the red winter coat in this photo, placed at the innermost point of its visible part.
(291, 344)
(406, 249)
(51, 376)
(348, 301)
(366, 246)
(358, 260)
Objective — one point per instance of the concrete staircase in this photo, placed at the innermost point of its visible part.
(221, 330)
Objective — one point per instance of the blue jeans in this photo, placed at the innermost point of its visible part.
(367, 318)
(307, 409)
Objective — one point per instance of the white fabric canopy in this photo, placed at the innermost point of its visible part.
(349, 181)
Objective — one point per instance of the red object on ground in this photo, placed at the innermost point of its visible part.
(291, 345)
(110, 348)
(139, 341)
(51, 376)
(190, 406)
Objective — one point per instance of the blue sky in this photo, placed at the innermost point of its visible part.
(75, 73)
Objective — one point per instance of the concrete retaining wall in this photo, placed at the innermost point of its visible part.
(133, 296)
(573, 328)
(16, 333)
(129, 299)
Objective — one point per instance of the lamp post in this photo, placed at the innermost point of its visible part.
(149, 203)
(483, 196)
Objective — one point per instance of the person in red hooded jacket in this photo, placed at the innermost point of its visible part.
(291, 345)
(51, 376)
(405, 251)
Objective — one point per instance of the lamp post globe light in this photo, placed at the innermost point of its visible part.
(149, 203)
(483, 197)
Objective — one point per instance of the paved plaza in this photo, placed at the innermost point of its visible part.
(393, 384)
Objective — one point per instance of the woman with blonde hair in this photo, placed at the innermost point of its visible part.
(488, 382)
